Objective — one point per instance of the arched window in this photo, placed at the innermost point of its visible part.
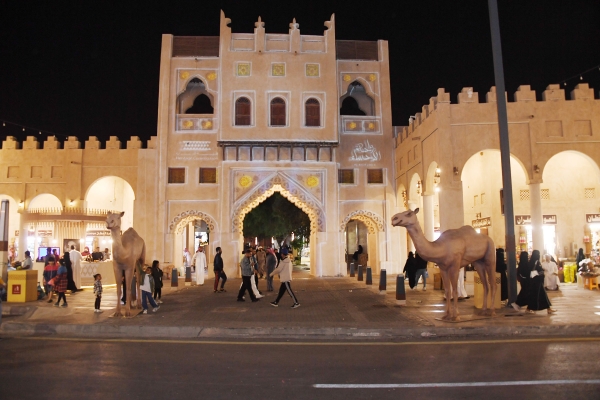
(195, 99)
(356, 101)
(312, 111)
(201, 106)
(242, 111)
(277, 112)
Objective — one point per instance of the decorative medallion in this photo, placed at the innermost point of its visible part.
(187, 124)
(312, 181)
(312, 69)
(243, 69)
(212, 76)
(371, 126)
(277, 69)
(352, 125)
(184, 75)
(207, 124)
(372, 77)
(347, 78)
(245, 181)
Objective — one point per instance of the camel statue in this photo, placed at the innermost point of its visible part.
(129, 251)
(453, 250)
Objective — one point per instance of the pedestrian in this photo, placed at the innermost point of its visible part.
(76, 259)
(580, 257)
(550, 273)
(50, 271)
(61, 283)
(27, 262)
(538, 298)
(157, 275)
(2, 291)
(187, 260)
(70, 282)
(147, 288)
(97, 292)
(247, 272)
(255, 268)
(523, 277)
(284, 269)
(271, 263)
(410, 268)
(261, 258)
(421, 271)
(219, 272)
(97, 255)
(199, 263)
(501, 268)
(357, 253)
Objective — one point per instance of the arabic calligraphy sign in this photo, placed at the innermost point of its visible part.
(592, 218)
(549, 219)
(482, 222)
(365, 152)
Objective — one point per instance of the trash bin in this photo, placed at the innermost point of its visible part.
(479, 293)
(22, 286)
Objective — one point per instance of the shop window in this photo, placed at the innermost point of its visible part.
(277, 112)
(375, 176)
(208, 175)
(356, 101)
(195, 99)
(346, 176)
(176, 175)
(312, 109)
(242, 111)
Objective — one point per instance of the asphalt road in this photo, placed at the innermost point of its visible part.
(53, 368)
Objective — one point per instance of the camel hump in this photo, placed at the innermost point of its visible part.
(131, 233)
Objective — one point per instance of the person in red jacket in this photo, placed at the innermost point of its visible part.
(60, 283)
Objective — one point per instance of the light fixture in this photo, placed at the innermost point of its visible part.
(536, 169)
(419, 187)
(455, 170)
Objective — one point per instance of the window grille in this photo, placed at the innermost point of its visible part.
(524, 195)
(346, 176)
(242, 111)
(590, 193)
(375, 176)
(277, 112)
(208, 175)
(176, 175)
(545, 194)
(313, 112)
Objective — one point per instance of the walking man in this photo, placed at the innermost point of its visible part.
(271, 264)
(219, 272)
(199, 262)
(76, 259)
(247, 272)
(284, 269)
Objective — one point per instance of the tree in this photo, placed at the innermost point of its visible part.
(276, 217)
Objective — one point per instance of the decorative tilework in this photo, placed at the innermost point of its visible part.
(184, 75)
(312, 69)
(212, 76)
(278, 69)
(243, 69)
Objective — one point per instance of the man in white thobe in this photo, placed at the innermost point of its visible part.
(460, 288)
(550, 273)
(199, 262)
(76, 259)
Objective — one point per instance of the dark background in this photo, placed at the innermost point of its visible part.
(90, 68)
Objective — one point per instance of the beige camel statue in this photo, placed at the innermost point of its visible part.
(453, 250)
(129, 250)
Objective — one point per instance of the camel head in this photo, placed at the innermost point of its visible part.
(405, 218)
(113, 221)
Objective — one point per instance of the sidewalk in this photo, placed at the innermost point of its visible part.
(331, 308)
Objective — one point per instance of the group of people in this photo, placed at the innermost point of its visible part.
(60, 274)
(531, 276)
(415, 268)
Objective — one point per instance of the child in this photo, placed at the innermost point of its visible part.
(97, 292)
(60, 284)
(49, 273)
(147, 287)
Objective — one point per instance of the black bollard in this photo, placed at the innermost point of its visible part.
(383, 281)
(174, 277)
(352, 270)
(360, 272)
(188, 274)
(369, 276)
(400, 292)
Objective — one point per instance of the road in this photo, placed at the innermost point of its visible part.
(39, 368)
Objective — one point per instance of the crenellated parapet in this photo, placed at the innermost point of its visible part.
(73, 143)
(469, 98)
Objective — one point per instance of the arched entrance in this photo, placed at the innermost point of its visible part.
(363, 228)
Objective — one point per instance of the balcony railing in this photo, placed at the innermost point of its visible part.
(360, 124)
(195, 122)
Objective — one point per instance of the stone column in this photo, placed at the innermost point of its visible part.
(537, 233)
(428, 219)
(452, 213)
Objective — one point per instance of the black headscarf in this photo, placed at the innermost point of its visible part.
(500, 263)
(534, 261)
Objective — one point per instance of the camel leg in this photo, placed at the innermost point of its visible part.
(138, 279)
(118, 275)
(491, 274)
(483, 273)
(453, 275)
(447, 291)
(128, 280)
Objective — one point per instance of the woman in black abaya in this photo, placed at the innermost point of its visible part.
(523, 276)
(501, 269)
(538, 298)
(410, 268)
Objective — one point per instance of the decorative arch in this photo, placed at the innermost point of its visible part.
(295, 195)
(373, 222)
(181, 220)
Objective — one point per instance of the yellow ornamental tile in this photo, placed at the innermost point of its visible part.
(372, 77)
(278, 69)
(371, 126)
(352, 125)
(212, 76)
(243, 69)
(245, 181)
(312, 69)
(347, 78)
(187, 124)
(184, 75)
(312, 181)
(207, 124)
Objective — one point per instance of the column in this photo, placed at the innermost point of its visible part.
(452, 213)
(428, 217)
(535, 199)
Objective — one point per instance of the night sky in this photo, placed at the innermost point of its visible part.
(90, 68)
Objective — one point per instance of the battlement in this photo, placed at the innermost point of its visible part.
(73, 143)
(468, 98)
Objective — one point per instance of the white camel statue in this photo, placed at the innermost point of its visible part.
(129, 251)
(453, 250)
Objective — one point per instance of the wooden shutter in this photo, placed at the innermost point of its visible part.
(313, 112)
(176, 175)
(277, 112)
(346, 176)
(208, 175)
(242, 111)
(374, 176)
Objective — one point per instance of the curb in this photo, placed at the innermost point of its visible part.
(10, 329)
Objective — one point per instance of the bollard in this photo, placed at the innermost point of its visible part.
(400, 292)
(352, 270)
(382, 282)
(188, 274)
(174, 278)
(369, 276)
(360, 272)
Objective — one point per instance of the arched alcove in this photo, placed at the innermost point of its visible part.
(195, 99)
(112, 193)
(356, 101)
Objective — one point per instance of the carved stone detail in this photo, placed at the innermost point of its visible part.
(181, 220)
(373, 221)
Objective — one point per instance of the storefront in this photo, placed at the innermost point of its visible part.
(549, 222)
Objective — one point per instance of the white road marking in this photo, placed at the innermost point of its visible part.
(453, 384)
